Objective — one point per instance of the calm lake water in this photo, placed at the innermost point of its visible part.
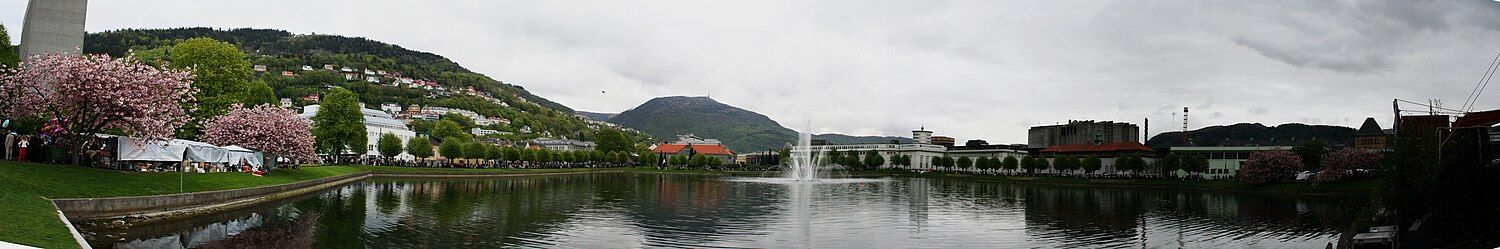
(628, 210)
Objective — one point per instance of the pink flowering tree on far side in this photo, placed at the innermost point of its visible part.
(1270, 167)
(87, 94)
(274, 130)
(1340, 164)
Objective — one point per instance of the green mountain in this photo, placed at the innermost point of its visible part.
(741, 130)
(1257, 134)
(279, 51)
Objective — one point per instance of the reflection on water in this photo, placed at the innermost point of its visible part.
(657, 210)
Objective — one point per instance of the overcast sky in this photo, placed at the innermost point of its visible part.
(968, 69)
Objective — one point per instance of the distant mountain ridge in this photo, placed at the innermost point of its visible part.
(741, 130)
(1257, 134)
(597, 116)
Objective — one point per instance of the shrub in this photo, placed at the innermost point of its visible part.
(1339, 165)
(1270, 167)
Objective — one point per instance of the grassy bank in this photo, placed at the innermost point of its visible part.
(26, 217)
(1360, 186)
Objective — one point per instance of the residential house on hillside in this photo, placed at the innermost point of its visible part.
(491, 121)
(307, 68)
(484, 132)
(434, 110)
(391, 108)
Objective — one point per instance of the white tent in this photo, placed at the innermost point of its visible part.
(203, 152)
(176, 150)
(132, 149)
(237, 153)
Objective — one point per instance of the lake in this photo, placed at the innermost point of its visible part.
(628, 210)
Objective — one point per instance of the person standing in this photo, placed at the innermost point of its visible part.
(10, 144)
(21, 154)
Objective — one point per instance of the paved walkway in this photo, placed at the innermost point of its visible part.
(4, 244)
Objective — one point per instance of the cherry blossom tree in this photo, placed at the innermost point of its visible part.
(1340, 164)
(1270, 166)
(274, 130)
(87, 94)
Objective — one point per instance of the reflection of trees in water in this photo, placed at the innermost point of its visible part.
(485, 212)
(696, 210)
(341, 219)
(293, 233)
(1117, 214)
(191, 231)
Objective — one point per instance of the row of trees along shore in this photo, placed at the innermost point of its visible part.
(1261, 167)
(472, 153)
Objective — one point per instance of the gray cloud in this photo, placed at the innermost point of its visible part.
(1256, 110)
(966, 68)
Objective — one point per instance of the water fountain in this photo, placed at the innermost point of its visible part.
(805, 165)
(802, 164)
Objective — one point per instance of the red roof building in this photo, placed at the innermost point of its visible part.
(1478, 119)
(664, 151)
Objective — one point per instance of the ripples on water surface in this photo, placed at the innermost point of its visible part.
(657, 210)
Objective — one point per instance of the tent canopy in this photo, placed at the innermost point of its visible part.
(178, 150)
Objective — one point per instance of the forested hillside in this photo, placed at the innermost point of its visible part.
(1257, 134)
(278, 51)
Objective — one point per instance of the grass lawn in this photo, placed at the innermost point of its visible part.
(27, 218)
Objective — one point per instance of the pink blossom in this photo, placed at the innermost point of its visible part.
(1270, 166)
(274, 130)
(92, 93)
(1340, 164)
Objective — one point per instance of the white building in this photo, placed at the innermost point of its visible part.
(482, 132)
(693, 139)
(563, 144)
(921, 154)
(444, 110)
(921, 151)
(377, 123)
(391, 108)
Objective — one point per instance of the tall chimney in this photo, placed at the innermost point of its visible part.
(1184, 125)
